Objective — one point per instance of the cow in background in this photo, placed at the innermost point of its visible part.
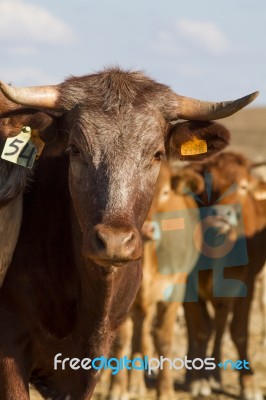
(13, 180)
(152, 313)
(259, 191)
(226, 170)
(77, 262)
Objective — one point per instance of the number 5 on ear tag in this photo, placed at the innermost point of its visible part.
(19, 149)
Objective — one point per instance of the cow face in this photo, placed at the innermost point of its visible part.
(114, 163)
(231, 176)
(117, 127)
(232, 185)
(115, 158)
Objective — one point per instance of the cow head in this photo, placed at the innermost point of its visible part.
(117, 126)
(231, 176)
(259, 180)
(231, 183)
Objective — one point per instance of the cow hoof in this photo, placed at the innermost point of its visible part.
(166, 395)
(137, 385)
(200, 387)
(252, 394)
(215, 384)
(138, 390)
(249, 388)
(118, 392)
(123, 396)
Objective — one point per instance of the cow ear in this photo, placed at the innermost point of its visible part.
(196, 140)
(11, 123)
(187, 180)
(42, 124)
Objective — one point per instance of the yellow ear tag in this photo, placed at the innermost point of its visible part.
(19, 149)
(193, 147)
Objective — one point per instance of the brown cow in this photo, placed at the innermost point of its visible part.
(10, 204)
(226, 170)
(13, 180)
(10, 220)
(76, 267)
(150, 301)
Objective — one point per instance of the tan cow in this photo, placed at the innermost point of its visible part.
(259, 192)
(233, 184)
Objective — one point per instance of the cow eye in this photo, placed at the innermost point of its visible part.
(165, 192)
(159, 155)
(74, 149)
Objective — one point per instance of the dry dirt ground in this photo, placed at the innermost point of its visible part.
(248, 130)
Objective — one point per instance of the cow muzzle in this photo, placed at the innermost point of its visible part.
(109, 246)
(148, 231)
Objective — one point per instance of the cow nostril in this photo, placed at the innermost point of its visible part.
(100, 242)
(129, 238)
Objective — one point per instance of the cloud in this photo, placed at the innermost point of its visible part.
(21, 21)
(204, 33)
(185, 33)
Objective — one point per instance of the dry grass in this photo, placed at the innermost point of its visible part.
(248, 129)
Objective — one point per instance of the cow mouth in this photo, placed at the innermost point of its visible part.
(223, 226)
(112, 263)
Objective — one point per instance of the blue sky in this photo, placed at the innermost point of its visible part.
(201, 48)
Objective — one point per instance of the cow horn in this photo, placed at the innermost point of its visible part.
(36, 96)
(192, 109)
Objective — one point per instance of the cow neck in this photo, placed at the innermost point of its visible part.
(253, 216)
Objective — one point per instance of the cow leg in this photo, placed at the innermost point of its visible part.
(239, 333)
(221, 309)
(263, 306)
(104, 384)
(164, 335)
(119, 382)
(141, 345)
(147, 347)
(199, 326)
(14, 380)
